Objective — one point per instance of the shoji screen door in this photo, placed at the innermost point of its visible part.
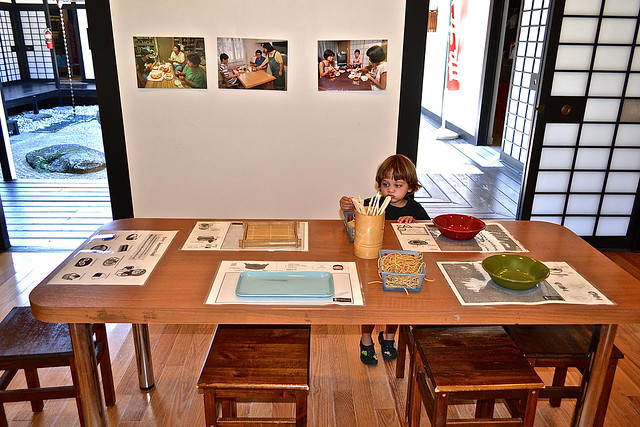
(584, 169)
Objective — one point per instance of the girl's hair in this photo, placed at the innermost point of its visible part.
(195, 58)
(328, 53)
(398, 167)
(178, 46)
(268, 47)
(376, 54)
(356, 51)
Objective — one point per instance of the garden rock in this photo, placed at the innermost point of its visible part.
(66, 158)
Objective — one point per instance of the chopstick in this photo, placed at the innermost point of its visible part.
(374, 208)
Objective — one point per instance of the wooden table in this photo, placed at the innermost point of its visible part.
(176, 290)
(255, 78)
(342, 82)
(165, 84)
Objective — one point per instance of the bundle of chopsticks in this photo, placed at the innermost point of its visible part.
(374, 208)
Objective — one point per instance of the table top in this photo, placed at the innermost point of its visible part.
(255, 78)
(177, 288)
(166, 83)
(342, 82)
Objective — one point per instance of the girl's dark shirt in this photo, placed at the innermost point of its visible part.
(412, 208)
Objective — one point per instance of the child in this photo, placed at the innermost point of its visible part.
(325, 67)
(396, 177)
(356, 63)
(192, 74)
(377, 59)
(229, 75)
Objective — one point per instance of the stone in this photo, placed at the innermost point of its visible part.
(66, 158)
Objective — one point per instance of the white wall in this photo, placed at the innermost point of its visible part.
(462, 107)
(256, 154)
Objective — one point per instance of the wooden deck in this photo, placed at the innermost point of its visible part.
(54, 214)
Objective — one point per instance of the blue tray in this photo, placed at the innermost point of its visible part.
(306, 284)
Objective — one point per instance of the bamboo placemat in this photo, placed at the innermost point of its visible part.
(273, 233)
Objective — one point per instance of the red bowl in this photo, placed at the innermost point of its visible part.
(459, 227)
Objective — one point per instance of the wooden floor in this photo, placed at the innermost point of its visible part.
(54, 214)
(344, 392)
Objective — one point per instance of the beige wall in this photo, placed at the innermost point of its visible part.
(257, 154)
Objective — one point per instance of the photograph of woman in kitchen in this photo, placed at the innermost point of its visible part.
(342, 66)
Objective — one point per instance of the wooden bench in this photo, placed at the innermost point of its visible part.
(470, 363)
(265, 363)
(29, 344)
(562, 347)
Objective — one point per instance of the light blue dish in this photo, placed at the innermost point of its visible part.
(300, 284)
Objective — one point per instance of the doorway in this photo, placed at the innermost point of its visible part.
(50, 104)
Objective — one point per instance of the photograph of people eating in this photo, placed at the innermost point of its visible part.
(252, 64)
(342, 65)
(170, 62)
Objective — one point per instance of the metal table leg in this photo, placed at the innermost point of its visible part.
(143, 355)
(94, 412)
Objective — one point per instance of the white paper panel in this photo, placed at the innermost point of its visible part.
(537, 4)
(613, 226)
(622, 7)
(617, 204)
(561, 134)
(552, 204)
(535, 17)
(583, 204)
(573, 57)
(582, 226)
(582, 7)
(597, 134)
(578, 30)
(606, 84)
(626, 159)
(633, 85)
(551, 219)
(552, 182)
(617, 30)
(601, 110)
(526, 18)
(628, 135)
(592, 158)
(615, 58)
(623, 182)
(519, 63)
(589, 182)
(569, 84)
(556, 158)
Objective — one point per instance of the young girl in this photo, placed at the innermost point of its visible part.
(396, 177)
(357, 61)
(177, 58)
(325, 67)
(377, 71)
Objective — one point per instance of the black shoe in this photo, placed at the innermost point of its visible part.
(368, 354)
(389, 351)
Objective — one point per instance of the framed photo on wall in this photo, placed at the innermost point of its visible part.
(259, 64)
(170, 62)
(352, 65)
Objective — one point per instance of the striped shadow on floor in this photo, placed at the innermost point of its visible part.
(54, 214)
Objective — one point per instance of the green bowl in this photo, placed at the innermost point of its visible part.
(515, 271)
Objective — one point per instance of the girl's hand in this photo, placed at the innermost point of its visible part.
(346, 204)
(406, 219)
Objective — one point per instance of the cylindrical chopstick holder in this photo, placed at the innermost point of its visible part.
(368, 236)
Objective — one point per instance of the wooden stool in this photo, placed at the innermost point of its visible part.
(29, 344)
(562, 347)
(266, 363)
(468, 362)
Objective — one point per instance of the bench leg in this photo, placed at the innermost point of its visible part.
(34, 382)
(210, 410)
(484, 408)
(559, 377)
(301, 409)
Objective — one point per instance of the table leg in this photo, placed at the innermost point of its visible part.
(143, 355)
(594, 375)
(94, 412)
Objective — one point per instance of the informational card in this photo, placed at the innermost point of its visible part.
(345, 281)
(226, 236)
(120, 257)
(473, 286)
(426, 237)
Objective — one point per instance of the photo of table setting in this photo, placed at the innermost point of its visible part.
(162, 75)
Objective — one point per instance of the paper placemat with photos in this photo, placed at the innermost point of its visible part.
(248, 236)
(473, 286)
(426, 237)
